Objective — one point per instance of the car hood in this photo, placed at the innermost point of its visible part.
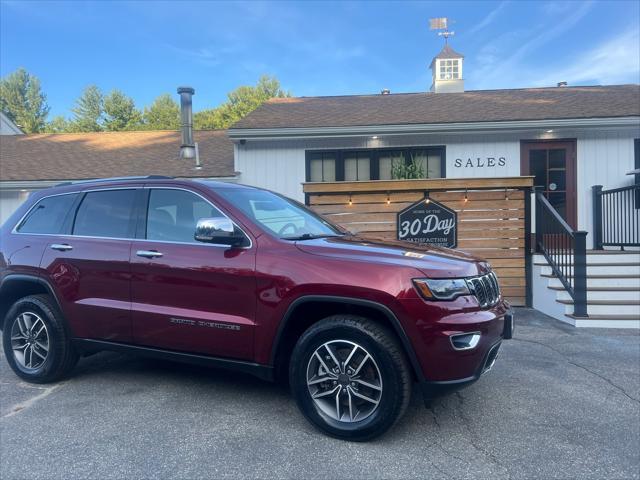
(434, 262)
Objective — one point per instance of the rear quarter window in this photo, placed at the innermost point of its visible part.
(48, 215)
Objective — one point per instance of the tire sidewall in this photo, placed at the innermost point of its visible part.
(385, 414)
(56, 340)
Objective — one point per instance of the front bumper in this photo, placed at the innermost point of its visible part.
(433, 389)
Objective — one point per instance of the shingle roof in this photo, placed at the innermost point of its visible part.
(72, 156)
(447, 52)
(426, 108)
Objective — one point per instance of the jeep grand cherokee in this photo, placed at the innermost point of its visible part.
(242, 278)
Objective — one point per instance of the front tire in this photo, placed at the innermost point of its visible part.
(36, 343)
(350, 377)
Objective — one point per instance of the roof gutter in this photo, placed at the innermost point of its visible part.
(27, 184)
(441, 128)
(39, 184)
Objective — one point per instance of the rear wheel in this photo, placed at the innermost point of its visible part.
(36, 343)
(350, 377)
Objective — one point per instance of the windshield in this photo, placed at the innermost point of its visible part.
(285, 218)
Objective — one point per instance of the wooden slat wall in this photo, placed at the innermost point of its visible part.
(491, 223)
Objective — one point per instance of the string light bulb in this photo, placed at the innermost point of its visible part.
(388, 199)
(427, 201)
(466, 198)
(506, 194)
(350, 200)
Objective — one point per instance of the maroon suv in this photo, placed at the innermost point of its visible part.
(242, 278)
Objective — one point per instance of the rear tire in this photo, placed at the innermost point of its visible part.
(350, 377)
(36, 343)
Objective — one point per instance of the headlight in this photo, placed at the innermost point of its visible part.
(432, 289)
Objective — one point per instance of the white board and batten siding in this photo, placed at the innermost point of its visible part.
(603, 158)
(10, 200)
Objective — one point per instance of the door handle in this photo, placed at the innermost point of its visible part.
(62, 247)
(148, 253)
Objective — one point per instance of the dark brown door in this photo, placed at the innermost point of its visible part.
(553, 166)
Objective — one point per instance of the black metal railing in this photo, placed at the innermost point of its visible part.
(616, 217)
(566, 251)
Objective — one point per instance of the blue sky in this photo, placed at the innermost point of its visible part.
(314, 48)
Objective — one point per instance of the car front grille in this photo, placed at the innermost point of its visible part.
(485, 288)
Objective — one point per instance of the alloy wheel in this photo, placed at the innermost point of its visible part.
(29, 340)
(344, 381)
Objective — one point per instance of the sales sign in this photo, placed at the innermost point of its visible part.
(428, 222)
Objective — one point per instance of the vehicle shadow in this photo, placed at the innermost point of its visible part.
(142, 374)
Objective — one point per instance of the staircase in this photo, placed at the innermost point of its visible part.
(613, 291)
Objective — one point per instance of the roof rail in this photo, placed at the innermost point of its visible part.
(115, 179)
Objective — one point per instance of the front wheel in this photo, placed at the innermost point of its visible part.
(350, 377)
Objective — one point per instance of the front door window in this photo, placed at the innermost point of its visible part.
(552, 164)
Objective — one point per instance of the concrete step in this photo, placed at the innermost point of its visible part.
(606, 308)
(608, 321)
(596, 281)
(603, 294)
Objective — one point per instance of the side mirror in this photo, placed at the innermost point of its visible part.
(218, 230)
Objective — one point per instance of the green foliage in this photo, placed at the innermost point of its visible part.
(22, 100)
(58, 124)
(120, 112)
(240, 102)
(88, 112)
(400, 169)
(209, 119)
(162, 114)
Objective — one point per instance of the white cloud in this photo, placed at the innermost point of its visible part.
(500, 70)
(208, 56)
(614, 61)
(488, 19)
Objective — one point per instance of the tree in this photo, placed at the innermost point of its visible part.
(162, 114)
(209, 119)
(240, 102)
(120, 112)
(22, 100)
(88, 111)
(58, 124)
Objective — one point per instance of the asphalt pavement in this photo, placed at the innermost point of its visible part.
(559, 403)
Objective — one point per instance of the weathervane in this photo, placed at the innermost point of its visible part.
(441, 24)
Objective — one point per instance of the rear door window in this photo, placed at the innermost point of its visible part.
(106, 213)
(48, 216)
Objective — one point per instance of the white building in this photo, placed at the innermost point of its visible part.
(7, 127)
(569, 138)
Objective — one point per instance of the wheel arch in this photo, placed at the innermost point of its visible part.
(313, 308)
(16, 286)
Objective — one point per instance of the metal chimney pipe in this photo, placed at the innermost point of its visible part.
(187, 149)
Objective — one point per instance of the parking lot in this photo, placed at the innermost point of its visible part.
(559, 403)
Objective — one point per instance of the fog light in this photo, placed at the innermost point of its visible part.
(465, 341)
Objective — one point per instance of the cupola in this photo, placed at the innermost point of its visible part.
(446, 71)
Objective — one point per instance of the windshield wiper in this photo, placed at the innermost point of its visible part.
(311, 236)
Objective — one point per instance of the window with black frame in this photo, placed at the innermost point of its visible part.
(375, 164)
(322, 167)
